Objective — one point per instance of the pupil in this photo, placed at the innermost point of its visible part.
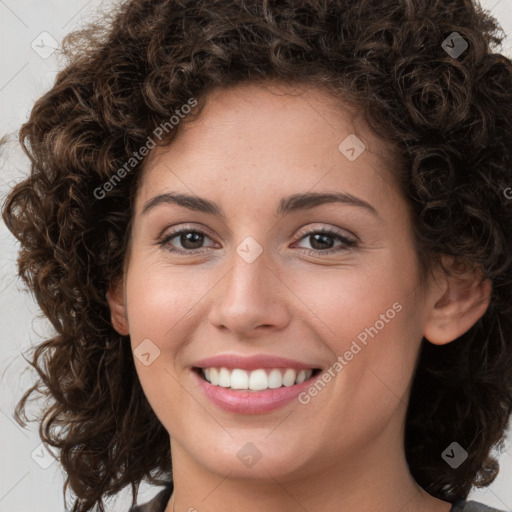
(319, 235)
(188, 238)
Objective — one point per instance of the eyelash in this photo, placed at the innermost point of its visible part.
(348, 242)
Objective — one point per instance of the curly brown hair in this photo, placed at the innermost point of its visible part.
(449, 119)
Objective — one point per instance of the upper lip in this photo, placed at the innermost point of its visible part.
(251, 362)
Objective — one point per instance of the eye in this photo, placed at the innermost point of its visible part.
(322, 239)
(190, 240)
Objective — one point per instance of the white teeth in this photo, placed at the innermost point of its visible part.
(214, 376)
(258, 380)
(224, 378)
(274, 379)
(301, 377)
(239, 379)
(289, 377)
(255, 380)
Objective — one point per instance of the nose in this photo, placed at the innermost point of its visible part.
(251, 299)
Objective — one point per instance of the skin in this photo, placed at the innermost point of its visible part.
(343, 450)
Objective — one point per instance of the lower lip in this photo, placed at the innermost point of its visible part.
(251, 402)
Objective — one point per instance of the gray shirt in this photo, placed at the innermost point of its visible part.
(159, 502)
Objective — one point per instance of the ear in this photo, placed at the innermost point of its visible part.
(455, 302)
(116, 302)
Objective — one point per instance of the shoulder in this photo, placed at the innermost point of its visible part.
(158, 503)
(474, 506)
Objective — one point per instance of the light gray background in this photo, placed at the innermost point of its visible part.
(25, 75)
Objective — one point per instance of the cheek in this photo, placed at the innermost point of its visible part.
(159, 298)
(370, 316)
(159, 302)
(347, 300)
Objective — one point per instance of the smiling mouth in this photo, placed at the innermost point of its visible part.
(260, 379)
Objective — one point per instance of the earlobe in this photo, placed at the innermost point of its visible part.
(460, 302)
(116, 302)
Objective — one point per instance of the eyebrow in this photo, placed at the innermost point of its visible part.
(287, 205)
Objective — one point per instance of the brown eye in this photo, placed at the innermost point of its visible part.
(321, 241)
(190, 240)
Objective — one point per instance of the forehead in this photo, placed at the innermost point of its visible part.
(270, 137)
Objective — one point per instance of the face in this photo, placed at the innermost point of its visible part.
(329, 285)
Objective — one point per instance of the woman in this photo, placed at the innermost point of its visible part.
(370, 370)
